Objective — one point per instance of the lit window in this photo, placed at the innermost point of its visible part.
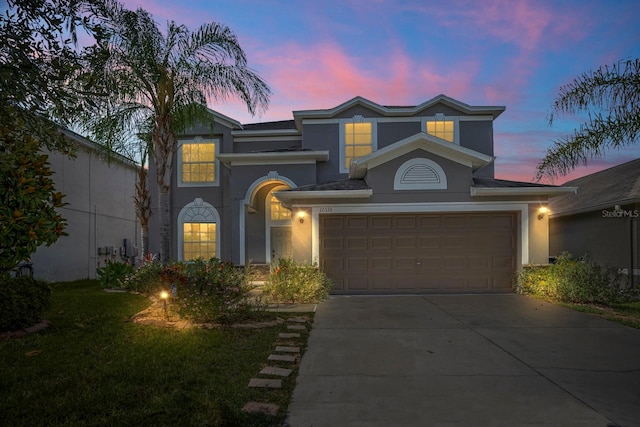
(278, 211)
(198, 162)
(199, 240)
(443, 129)
(358, 141)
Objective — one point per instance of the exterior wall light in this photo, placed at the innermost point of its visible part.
(542, 212)
(301, 215)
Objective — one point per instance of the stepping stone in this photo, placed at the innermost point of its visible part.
(261, 407)
(265, 383)
(272, 370)
(297, 327)
(289, 335)
(297, 319)
(281, 358)
(286, 349)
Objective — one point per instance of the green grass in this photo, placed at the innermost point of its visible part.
(626, 313)
(94, 367)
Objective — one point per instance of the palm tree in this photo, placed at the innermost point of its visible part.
(614, 90)
(147, 81)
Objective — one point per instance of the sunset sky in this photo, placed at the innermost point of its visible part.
(515, 53)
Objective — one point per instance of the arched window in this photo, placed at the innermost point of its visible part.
(420, 174)
(198, 231)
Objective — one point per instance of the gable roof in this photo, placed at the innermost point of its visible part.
(423, 141)
(391, 111)
(618, 185)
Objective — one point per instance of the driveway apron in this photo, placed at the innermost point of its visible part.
(465, 360)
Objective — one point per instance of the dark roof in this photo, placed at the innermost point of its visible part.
(280, 125)
(618, 185)
(503, 183)
(344, 184)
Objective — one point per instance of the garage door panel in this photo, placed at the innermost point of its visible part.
(381, 264)
(454, 262)
(429, 242)
(476, 262)
(406, 253)
(406, 242)
(356, 243)
(356, 284)
(406, 222)
(381, 242)
(382, 223)
(405, 263)
(453, 242)
(357, 223)
(357, 263)
(329, 243)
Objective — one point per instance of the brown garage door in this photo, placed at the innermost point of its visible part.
(409, 253)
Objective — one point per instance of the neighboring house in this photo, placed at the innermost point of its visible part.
(385, 199)
(99, 212)
(601, 220)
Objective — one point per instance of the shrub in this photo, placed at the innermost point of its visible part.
(215, 291)
(571, 280)
(290, 281)
(112, 275)
(23, 302)
(206, 291)
(146, 278)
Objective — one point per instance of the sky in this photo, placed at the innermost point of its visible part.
(512, 53)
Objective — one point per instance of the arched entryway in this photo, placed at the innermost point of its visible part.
(267, 222)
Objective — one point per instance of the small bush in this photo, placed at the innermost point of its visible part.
(293, 282)
(571, 280)
(206, 291)
(23, 302)
(146, 278)
(112, 275)
(215, 291)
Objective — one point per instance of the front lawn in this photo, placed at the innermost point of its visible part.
(93, 366)
(626, 313)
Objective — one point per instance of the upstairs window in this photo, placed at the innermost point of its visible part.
(441, 127)
(197, 164)
(358, 140)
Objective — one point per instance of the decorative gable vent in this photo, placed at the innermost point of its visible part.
(420, 174)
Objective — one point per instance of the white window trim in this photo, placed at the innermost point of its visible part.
(442, 117)
(398, 184)
(199, 140)
(357, 119)
(197, 211)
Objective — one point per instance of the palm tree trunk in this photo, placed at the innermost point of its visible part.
(164, 145)
(142, 201)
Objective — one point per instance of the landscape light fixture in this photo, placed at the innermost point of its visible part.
(164, 295)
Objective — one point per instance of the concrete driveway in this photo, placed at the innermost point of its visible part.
(465, 360)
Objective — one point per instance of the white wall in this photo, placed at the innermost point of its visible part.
(100, 212)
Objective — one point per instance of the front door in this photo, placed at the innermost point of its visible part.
(280, 243)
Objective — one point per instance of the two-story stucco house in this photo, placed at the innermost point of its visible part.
(385, 199)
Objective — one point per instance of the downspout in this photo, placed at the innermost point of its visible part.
(633, 229)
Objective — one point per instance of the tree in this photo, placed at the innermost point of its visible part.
(28, 199)
(37, 58)
(159, 83)
(611, 98)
